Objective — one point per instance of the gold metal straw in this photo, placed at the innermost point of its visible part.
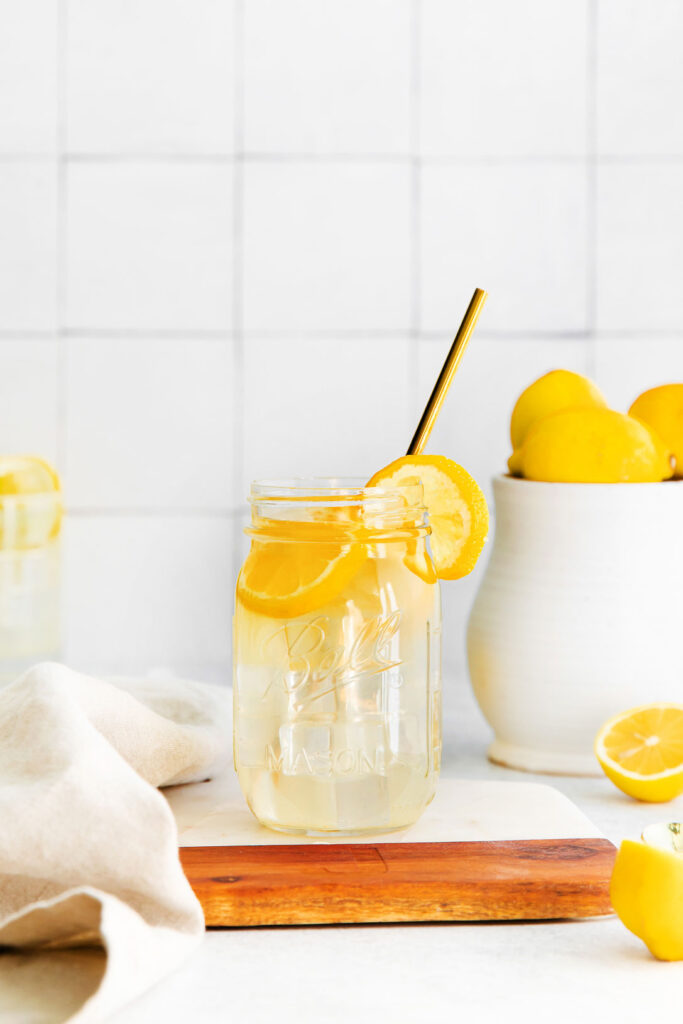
(457, 350)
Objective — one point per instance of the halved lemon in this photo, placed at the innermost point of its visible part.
(647, 889)
(458, 514)
(641, 751)
(286, 578)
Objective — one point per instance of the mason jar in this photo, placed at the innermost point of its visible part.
(30, 522)
(337, 658)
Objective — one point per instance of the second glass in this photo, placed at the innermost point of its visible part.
(30, 522)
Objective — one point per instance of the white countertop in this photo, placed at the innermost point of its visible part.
(583, 970)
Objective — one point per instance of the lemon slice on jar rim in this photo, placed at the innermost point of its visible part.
(456, 506)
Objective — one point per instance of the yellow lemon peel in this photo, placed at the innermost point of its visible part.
(591, 445)
(647, 893)
(559, 389)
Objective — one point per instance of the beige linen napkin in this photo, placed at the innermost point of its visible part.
(94, 906)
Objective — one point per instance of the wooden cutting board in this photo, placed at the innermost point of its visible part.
(482, 851)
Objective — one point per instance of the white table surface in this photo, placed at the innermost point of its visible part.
(586, 971)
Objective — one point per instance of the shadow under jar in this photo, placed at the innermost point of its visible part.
(337, 658)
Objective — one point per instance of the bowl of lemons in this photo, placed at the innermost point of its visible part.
(578, 613)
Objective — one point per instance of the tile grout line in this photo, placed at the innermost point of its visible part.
(591, 185)
(148, 333)
(8, 335)
(396, 159)
(244, 156)
(399, 159)
(151, 512)
(238, 358)
(329, 334)
(415, 205)
(61, 237)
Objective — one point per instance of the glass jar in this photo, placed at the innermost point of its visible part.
(337, 658)
(29, 565)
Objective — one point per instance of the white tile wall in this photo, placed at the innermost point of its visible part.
(145, 595)
(149, 246)
(640, 77)
(339, 84)
(504, 79)
(28, 410)
(28, 76)
(150, 75)
(626, 365)
(236, 237)
(640, 246)
(325, 406)
(149, 423)
(28, 245)
(326, 246)
(516, 229)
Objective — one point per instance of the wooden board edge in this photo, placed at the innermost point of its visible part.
(409, 883)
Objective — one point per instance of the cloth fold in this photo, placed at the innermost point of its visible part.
(94, 905)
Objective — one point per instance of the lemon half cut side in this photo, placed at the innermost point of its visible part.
(641, 751)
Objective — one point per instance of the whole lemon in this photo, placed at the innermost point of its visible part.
(647, 893)
(591, 445)
(559, 389)
(662, 409)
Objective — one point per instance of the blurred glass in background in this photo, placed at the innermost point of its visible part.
(30, 521)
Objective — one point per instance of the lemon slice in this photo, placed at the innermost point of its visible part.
(27, 474)
(286, 578)
(641, 751)
(30, 502)
(458, 515)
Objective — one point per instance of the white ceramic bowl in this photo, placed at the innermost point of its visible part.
(579, 616)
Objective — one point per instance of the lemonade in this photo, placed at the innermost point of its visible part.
(30, 520)
(337, 659)
(337, 635)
